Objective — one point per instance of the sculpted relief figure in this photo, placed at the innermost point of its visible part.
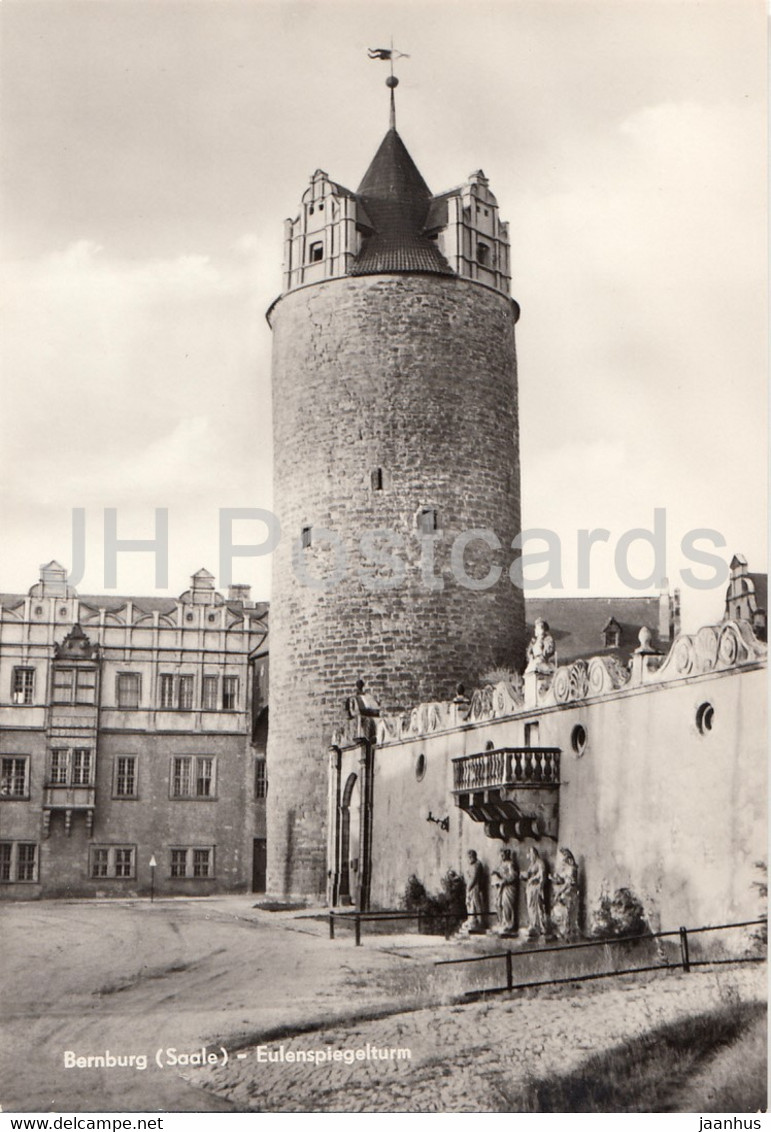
(565, 889)
(535, 894)
(540, 651)
(506, 879)
(475, 894)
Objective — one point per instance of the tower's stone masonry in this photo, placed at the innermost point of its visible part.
(395, 409)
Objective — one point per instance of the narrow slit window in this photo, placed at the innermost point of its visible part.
(377, 479)
(305, 537)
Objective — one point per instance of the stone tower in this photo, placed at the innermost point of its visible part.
(396, 442)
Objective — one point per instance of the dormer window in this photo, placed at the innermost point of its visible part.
(611, 634)
(316, 252)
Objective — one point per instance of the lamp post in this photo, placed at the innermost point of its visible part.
(153, 866)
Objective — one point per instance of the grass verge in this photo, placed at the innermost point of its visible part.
(657, 1072)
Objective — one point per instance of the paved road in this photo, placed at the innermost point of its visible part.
(133, 978)
(130, 977)
(472, 1058)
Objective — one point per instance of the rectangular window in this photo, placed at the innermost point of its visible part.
(193, 776)
(229, 692)
(185, 693)
(18, 861)
(59, 767)
(85, 686)
(192, 862)
(531, 734)
(316, 252)
(27, 854)
(128, 686)
(64, 685)
(261, 779)
(81, 767)
(166, 691)
(22, 685)
(114, 862)
(305, 537)
(74, 685)
(14, 776)
(100, 862)
(204, 776)
(126, 776)
(71, 767)
(209, 693)
(6, 853)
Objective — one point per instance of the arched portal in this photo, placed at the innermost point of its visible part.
(349, 840)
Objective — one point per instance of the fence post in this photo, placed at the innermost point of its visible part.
(357, 926)
(684, 950)
(509, 978)
(331, 924)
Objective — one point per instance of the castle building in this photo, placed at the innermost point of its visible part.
(132, 730)
(396, 443)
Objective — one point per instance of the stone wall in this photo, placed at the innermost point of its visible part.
(409, 381)
(653, 803)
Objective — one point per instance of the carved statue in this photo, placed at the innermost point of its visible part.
(565, 889)
(540, 651)
(506, 879)
(475, 894)
(535, 894)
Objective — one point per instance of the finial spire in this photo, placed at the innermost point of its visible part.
(389, 53)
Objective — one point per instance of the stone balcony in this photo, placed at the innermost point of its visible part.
(78, 799)
(513, 790)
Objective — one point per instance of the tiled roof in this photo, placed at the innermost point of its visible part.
(576, 623)
(396, 200)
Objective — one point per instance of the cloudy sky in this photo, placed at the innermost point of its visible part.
(153, 149)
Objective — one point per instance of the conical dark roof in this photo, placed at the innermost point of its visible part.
(396, 200)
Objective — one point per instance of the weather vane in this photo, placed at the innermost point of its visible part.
(389, 54)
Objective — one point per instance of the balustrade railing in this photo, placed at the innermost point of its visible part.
(507, 766)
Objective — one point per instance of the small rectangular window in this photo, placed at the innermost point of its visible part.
(166, 691)
(185, 693)
(64, 685)
(81, 767)
(193, 776)
(531, 734)
(305, 537)
(192, 862)
(128, 687)
(116, 862)
(179, 862)
(204, 778)
(22, 685)
(18, 861)
(230, 692)
(428, 521)
(27, 858)
(377, 479)
(260, 779)
(59, 773)
(209, 693)
(14, 776)
(126, 776)
(316, 252)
